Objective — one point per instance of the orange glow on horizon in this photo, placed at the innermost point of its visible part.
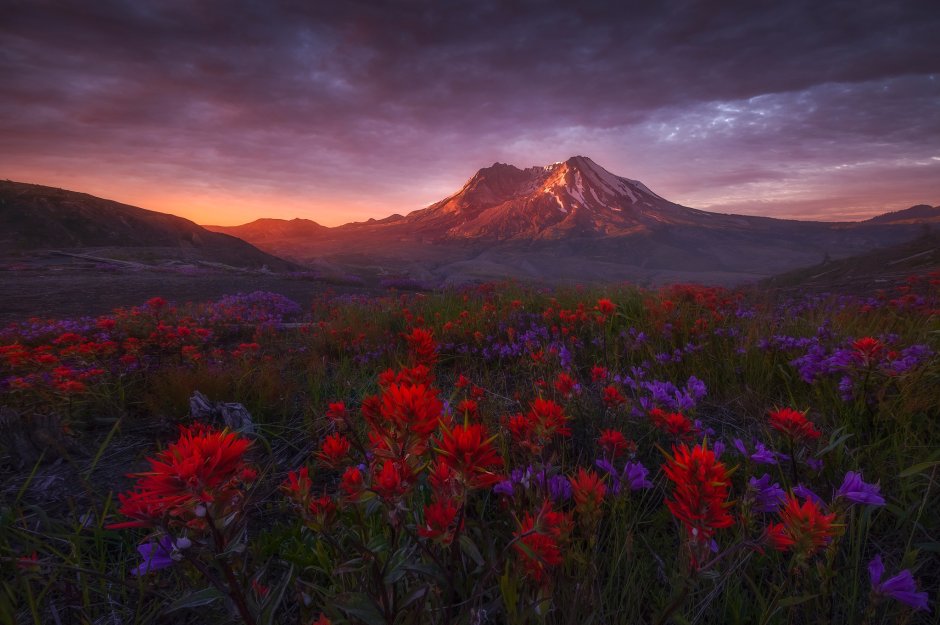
(213, 206)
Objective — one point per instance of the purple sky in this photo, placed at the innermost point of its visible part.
(225, 111)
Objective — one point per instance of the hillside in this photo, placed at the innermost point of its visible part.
(34, 217)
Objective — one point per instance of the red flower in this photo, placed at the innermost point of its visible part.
(470, 454)
(867, 350)
(700, 495)
(336, 412)
(535, 428)
(548, 418)
(422, 347)
(612, 397)
(334, 450)
(468, 407)
(674, 423)
(793, 424)
(440, 520)
(390, 481)
(351, 482)
(564, 384)
(538, 541)
(598, 373)
(204, 467)
(614, 443)
(606, 307)
(588, 491)
(804, 530)
(414, 408)
(420, 374)
(155, 303)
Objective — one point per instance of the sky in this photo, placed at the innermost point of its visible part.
(224, 111)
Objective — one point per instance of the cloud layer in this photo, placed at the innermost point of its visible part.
(226, 111)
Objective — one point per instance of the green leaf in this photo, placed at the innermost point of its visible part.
(469, 547)
(834, 443)
(918, 468)
(359, 605)
(395, 568)
(792, 601)
(274, 599)
(195, 599)
(350, 566)
(416, 594)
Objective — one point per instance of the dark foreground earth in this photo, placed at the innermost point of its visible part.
(53, 285)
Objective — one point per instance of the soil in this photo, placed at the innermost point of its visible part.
(55, 286)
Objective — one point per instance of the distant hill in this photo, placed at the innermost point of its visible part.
(34, 217)
(575, 222)
(922, 213)
(865, 272)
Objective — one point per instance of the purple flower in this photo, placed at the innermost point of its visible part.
(635, 474)
(504, 488)
(900, 587)
(718, 448)
(559, 488)
(761, 454)
(805, 493)
(767, 497)
(156, 555)
(858, 491)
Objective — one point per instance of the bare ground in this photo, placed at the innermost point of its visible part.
(51, 285)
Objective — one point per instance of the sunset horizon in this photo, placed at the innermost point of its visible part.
(342, 114)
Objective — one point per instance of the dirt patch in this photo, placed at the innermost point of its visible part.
(61, 286)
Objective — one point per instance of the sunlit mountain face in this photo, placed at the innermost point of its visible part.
(573, 220)
(341, 112)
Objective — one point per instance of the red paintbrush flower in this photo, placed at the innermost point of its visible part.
(587, 490)
(612, 397)
(336, 412)
(470, 454)
(413, 408)
(598, 373)
(700, 492)
(538, 541)
(391, 481)
(351, 482)
(793, 424)
(422, 347)
(564, 384)
(334, 450)
(606, 307)
(804, 530)
(203, 468)
(614, 443)
(440, 519)
(867, 351)
(469, 408)
(674, 423)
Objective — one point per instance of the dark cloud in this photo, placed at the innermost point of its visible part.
(395, 102)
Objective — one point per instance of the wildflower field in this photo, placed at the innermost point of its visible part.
(492, 454)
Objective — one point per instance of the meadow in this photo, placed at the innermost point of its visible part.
(490, 454)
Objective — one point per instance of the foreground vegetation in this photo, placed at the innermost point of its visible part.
(490, 455)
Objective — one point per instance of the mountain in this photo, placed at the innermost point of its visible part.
(574, 198)
(865, 273)
(34, 217)
(922, 213)
(273, 231)
(571, 221)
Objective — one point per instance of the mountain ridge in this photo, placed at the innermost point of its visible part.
(36, 217)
